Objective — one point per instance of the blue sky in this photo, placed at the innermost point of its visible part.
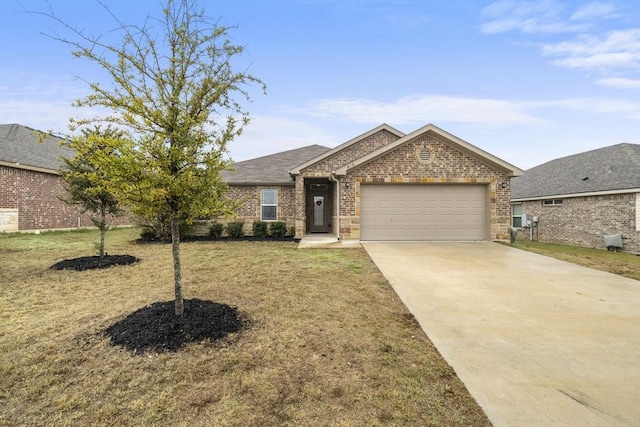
(528, 81)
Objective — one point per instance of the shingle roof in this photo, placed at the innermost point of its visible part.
(272, 169)
(20, 147)
(606, 169)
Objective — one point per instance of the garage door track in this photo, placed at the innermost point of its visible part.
(537, 341)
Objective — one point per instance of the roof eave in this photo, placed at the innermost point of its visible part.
(260, 183)
(471, 149)
(29, 167)
(296, 171)
(572, 195)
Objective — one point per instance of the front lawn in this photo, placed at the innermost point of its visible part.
(327, 343)
(624, 264)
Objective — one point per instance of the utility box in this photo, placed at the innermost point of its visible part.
(613, 242)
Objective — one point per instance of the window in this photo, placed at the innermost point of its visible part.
(269, 205)
(552, 202)
(516, 215)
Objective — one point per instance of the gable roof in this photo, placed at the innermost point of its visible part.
(20, 148)
(453, 140)
(272, 169)
(610, 169)
(296, 170)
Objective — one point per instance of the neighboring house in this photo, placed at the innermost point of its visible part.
(30, 184)
(581, 198)
(381, 185)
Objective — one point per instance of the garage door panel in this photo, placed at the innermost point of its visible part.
(423, 212)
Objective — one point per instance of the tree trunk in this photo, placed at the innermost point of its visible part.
(103, 231)
(177, 271)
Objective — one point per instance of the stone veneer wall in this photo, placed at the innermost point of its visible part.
(446, 165)
(583, 221)
(35, 195)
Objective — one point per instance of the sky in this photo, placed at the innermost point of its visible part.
(527, 81)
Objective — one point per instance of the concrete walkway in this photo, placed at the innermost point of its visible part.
(537, 341)
(326, 241)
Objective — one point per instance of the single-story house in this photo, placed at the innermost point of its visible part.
(579, 199)
(30, 184)
(381, 185)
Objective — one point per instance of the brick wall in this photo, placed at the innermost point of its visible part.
(404, 165)
(249, 210)
(324, 168)
(445, 166)
(349, 154)
(583, 221)
(36, 197)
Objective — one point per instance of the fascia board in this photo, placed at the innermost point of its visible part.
(474, 151)
(384, 126)
(572, 195)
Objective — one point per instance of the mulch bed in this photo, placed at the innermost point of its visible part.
(92, 262)
(157, 328)
(224, 239)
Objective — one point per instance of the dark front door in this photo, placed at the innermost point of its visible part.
(318, 208)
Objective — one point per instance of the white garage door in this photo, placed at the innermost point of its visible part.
(423, 212)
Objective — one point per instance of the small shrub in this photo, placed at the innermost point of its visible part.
(278, 229)
(292, 231)
(215, 230)
(148, 234)
(234, 229)
(260, 229)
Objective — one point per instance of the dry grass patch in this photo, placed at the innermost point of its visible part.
(622, 263)
(329, 343)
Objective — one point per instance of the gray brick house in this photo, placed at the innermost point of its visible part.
(581, 198)
(30, 184)
(381, 185)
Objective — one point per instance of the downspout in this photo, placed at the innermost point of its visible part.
(333, 178)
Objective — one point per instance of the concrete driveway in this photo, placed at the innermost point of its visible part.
(538, 342)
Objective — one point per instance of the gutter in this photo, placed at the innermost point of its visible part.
(572, 195)
(333, 178)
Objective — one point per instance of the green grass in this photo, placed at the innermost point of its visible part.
(329, 342)
(624, 264)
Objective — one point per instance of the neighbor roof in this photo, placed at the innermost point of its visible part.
(20, 147)
(272, 169)
(610, 169)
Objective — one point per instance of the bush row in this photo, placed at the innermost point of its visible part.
(260, 229)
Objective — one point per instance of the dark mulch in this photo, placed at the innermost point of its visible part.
(92, 262)
(157, 328)
(224, 239)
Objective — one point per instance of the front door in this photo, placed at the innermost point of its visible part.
(318, 207)
(318, 212)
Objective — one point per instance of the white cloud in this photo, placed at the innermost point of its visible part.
(595, 10)
(268, 134)
(426, 108)
(620, 83)
(614, 50)
(544, 16)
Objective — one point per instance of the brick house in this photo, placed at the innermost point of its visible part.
(381, 185)
(30, 184)
(579, 199)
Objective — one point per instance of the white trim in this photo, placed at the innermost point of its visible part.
(28, 168)
(569, 196)
(637, 211)
(466, 147)
(384, 126)
(262, 204)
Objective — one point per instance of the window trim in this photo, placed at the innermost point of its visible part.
(263, 205)
(552, 202)
(513, 215)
